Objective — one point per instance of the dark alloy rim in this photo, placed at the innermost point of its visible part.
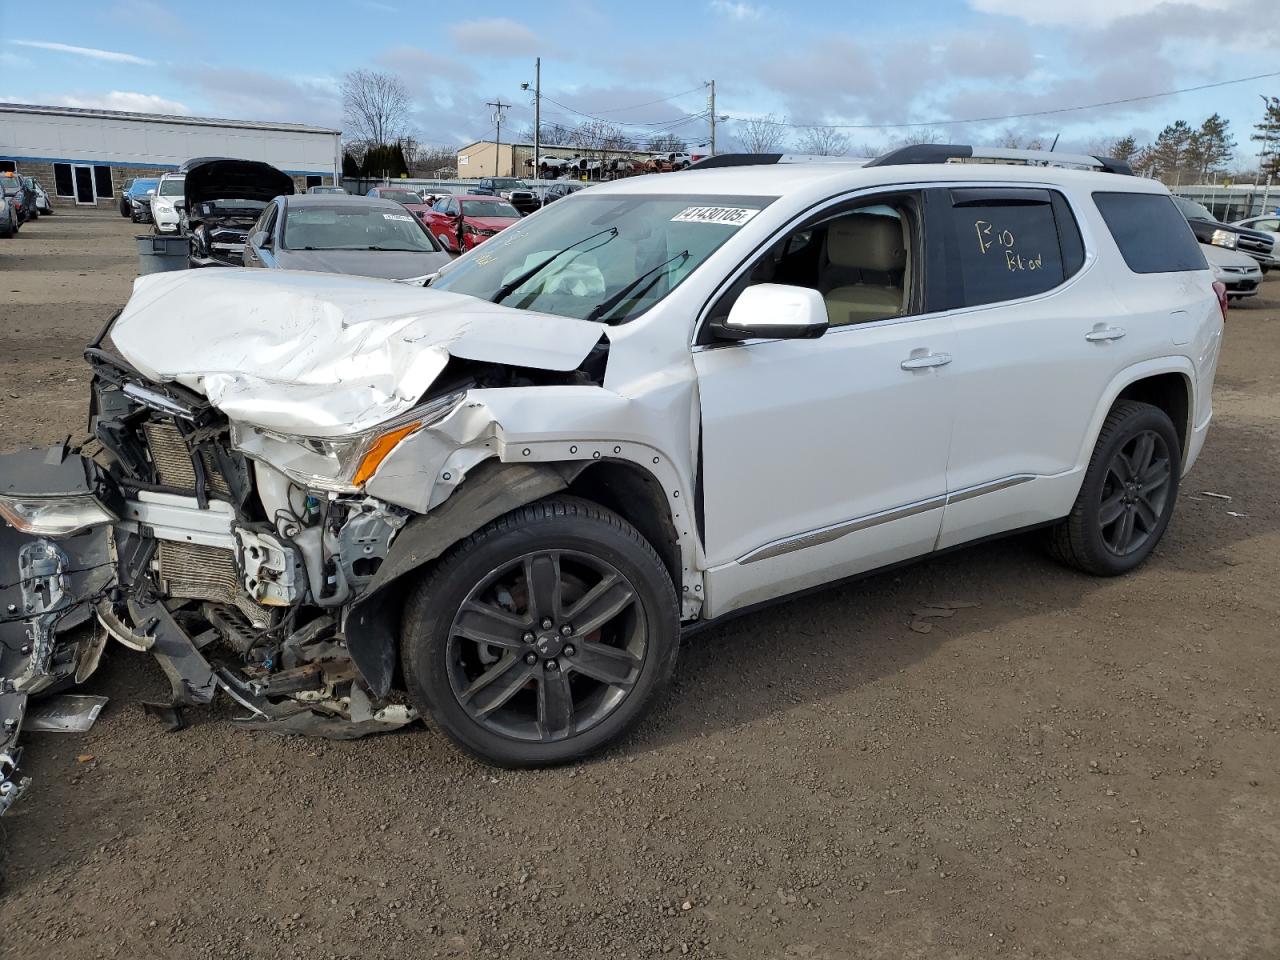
(547, 646)
(1135, 493)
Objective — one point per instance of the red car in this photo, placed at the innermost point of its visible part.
(410, 199)
(465, 221)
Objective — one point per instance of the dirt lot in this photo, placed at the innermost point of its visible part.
(1075, 768)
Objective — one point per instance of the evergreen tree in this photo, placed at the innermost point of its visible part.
(1210, 147)
(1169, 153)
(1267, 133)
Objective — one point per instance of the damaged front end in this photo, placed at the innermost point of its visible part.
(56, 563)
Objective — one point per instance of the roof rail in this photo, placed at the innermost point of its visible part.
(761, 159)
(960, 153)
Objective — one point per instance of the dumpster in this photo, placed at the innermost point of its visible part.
(158, 253)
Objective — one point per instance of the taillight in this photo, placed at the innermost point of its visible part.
(1220, 289)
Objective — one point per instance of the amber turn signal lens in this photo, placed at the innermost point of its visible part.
(380, 450)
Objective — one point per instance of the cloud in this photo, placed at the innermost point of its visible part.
(255, 95)
(92, 53)
(120, 100)
(1093, 12)
(495, 37)
(417, 66)
(736, 10)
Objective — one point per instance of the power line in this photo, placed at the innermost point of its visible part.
(1010, 116)
(649, 103)
(623, 123)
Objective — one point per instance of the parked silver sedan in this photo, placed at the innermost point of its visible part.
(360, 236)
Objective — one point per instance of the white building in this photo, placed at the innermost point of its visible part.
(83, 156)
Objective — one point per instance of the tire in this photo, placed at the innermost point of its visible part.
(1132, 479)
(480, 588)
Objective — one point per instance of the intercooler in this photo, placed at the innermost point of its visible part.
(172, 459)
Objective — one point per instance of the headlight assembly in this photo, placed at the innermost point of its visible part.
(1225, 238)
(339, 464)
(53, 516)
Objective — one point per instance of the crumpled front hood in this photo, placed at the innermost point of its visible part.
(323, 355)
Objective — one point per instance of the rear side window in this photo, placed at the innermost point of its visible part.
(1152, 235)
(1010, 243)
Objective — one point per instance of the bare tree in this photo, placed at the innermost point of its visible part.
(375, 105)
(665, 143)
(761, 134)
(823, 142)
(918, 135)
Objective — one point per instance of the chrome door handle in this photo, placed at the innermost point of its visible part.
(929, 360)
(1101, 334)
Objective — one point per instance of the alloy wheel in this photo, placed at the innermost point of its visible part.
(1135, 493)
(547, 646)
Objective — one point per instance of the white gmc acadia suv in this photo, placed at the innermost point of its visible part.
(653, 403)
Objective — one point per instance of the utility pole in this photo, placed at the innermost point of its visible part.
(537, 116)
(498, 107)
(712, 107)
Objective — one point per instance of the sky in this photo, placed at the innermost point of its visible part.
(643, 65)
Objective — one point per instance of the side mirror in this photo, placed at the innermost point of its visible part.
(179, 204)
(774, 311)
(151, 192)
(260, 239)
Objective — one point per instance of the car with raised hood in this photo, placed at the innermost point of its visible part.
(360, 236)
(464, 221)
(1210, 230)
(223, 199)
(499, 500)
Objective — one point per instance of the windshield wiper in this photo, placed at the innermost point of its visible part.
(507, 288)
(625, 292)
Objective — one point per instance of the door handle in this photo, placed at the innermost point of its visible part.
(1100, 334)
(928, 360)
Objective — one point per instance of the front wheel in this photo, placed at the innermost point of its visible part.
(1127, 496)
(542, 637)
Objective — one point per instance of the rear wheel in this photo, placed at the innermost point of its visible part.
(542, 637)
(1127, 496)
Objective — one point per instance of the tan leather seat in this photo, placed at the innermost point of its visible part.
(869, 250)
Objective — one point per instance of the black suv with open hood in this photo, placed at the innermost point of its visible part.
(224, 197)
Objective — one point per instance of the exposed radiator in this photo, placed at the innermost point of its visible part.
(172, 459)
(194, 571)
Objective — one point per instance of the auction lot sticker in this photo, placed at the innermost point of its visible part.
(725, 216)
(397, 216)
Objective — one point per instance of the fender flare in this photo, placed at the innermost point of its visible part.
(1128, 376)
(492, 489)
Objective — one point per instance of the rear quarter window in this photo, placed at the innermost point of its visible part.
(1153, 236)
(1010, 243)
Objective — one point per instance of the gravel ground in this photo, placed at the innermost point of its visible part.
(1074, 768)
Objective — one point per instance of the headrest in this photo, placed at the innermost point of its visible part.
(867, 241)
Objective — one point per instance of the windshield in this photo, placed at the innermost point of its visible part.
(489, 208)
(597, 248)
(171, 187)
(142, 186)
(1194, 211)
(400, 196)
(508, 183)
(354, 227)
(11, 185)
